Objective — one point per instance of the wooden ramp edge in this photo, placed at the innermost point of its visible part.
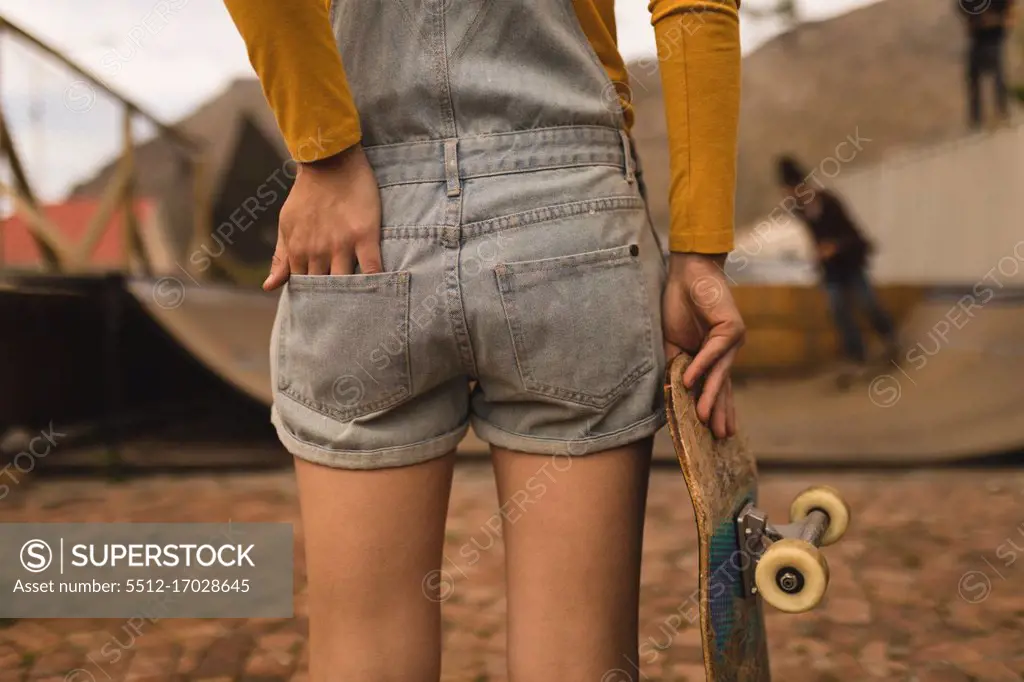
(957, 393)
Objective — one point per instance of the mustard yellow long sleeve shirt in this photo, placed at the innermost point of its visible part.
(291, 47)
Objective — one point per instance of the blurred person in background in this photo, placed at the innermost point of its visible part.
(842, 253)
(466, 208)
(988, 23)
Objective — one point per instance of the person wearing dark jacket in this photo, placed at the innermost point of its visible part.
(842, 253)
(987, 23)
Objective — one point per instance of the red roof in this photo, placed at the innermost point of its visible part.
(18, 248)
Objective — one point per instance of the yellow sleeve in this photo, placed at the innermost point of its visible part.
(699, 58)
(291, 47)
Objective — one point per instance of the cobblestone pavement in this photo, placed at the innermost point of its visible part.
(926, 586)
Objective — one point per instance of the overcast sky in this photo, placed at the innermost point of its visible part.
(170, 66)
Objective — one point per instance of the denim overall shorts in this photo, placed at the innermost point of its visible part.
(522, 278)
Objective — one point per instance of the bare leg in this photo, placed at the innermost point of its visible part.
(372, 537)
(999, 76)
(573, 531)
(974, 85)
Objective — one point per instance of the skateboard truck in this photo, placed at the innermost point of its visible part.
(782, 562)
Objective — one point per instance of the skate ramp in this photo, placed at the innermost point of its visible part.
(226, 328)
(958, 392)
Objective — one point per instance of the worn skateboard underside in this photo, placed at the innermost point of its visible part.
(721, 476)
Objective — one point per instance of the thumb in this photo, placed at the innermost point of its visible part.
(368, 255)
(279, 270)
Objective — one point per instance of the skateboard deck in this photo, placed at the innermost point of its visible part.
(721, 476)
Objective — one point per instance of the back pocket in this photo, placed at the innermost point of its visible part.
(343, 343)
(580, 325)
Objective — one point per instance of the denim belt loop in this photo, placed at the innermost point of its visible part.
(627, 150)
(451, 167)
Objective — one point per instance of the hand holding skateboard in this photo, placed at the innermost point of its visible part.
(743, 557)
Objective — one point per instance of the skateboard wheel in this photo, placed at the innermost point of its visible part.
(827, 500)
(792, 576)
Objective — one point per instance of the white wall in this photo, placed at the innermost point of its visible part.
(946, 215)
(952, 214)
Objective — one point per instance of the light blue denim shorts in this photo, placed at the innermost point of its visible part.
(521, 295)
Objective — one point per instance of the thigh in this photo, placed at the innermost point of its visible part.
(573, 532)
(989, 57)
(975, 61)
(864, 291)
(836, 292)
(373, 539)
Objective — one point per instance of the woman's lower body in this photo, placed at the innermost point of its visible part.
(527, 270)
(520, 295)
(986, 57)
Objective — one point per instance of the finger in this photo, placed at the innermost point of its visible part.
(299, 265)
(319, 265)
(713, 350)
(279, 270)
(713, 385)
(342, 263)
(719, 414)
(368, 255)
(731, 426)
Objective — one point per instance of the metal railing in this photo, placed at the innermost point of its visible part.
(59, 254)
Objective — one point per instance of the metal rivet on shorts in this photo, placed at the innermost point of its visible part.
(634, 250)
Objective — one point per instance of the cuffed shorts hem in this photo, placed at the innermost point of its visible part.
(380, 458)
(576, 446)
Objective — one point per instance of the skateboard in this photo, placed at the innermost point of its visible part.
(744, 559)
